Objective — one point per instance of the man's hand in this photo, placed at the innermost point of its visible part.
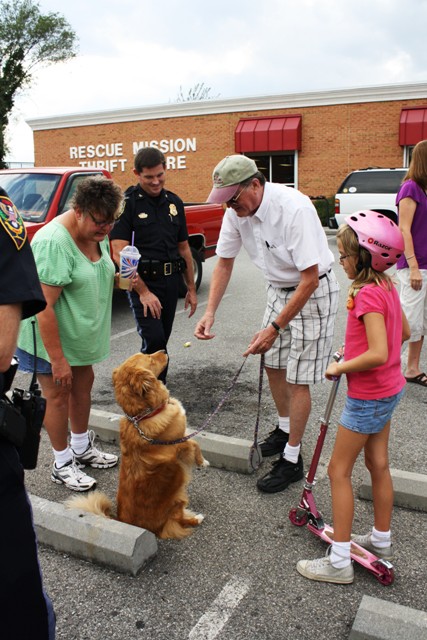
(262, 341)
(203, 327)
(151, 303)
(191, 301)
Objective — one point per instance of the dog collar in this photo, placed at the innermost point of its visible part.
(148, 413)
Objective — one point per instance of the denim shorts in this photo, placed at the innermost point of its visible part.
(369, 416)
(26, 363)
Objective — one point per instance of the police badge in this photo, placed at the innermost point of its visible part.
(173, 210)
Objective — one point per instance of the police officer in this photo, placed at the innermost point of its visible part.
(154, 219)
(25, 610)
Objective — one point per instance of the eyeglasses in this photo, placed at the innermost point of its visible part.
(342, 258)
(101, 223)
(234, 199)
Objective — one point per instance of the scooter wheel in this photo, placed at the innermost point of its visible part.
(298, 517)
(385, 575)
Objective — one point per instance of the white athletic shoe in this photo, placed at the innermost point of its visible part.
(72, 477)
(322, 570)
(365, 541)
(95, 458)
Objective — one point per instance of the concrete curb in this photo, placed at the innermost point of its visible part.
(222, 452)
(381, 620)
(410, 489)
(113, 544)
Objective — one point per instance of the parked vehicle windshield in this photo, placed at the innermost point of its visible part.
(388, 181)
(31, 193)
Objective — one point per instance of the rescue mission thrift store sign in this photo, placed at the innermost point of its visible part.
(110, 155)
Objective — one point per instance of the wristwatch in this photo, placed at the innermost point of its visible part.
(276, 326)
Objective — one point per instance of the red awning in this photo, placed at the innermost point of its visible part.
(281, 133)
(413, 126)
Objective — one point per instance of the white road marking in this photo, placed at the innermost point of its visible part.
(121, 334)
(221, 609)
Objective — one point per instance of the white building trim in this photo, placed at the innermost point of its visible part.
(382, 93)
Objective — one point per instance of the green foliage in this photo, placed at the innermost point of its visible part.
(28, 39)
(324, 207)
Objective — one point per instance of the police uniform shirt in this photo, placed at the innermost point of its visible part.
(19, 282)
(159, 224)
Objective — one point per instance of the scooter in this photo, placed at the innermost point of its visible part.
(306, 513)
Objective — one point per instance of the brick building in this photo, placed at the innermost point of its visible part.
(308, 140)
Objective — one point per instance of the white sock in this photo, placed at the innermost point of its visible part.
(284, 424)
(62, 457)
(79, 442)
(340, 555)
(291, 453)
(381, 539)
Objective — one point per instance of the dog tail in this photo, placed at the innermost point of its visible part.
(95, 502)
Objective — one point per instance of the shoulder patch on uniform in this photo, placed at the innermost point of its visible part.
(122, 208)
(12, 222)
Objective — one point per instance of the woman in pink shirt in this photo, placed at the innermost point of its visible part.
(368, 245)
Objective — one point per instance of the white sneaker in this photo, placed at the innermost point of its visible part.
(95, 458)
(322, 570)
(72, 477)
(365, 541)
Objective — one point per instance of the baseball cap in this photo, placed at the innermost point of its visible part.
(227, 176)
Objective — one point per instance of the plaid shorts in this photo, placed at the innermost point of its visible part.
(305, 348)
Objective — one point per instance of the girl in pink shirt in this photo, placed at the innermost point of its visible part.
(368, 245)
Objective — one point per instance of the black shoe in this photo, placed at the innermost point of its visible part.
(281, 475)
(274, 443)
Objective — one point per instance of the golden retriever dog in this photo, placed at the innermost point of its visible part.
(152, 491)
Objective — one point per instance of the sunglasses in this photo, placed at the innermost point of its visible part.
(234, 199)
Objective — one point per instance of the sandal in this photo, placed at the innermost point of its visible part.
(421, 379)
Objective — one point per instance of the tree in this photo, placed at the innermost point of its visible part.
(28, 39)
(198, 92)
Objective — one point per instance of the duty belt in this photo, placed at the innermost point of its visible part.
(153, 269)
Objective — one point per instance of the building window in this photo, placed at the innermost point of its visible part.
(280, 168)
(407, 155)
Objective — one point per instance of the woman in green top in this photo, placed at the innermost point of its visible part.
(73, 332)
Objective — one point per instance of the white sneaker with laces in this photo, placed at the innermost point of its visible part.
(365, 541)
(95, 458)
(71, 476)
(322, 570)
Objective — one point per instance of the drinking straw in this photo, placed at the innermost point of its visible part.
(133, 238)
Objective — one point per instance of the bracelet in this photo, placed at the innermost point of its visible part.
(410, 257)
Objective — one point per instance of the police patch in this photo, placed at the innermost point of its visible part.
(12, 222)
(173, 210)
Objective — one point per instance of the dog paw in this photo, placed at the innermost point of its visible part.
(200, 517)
(205, 463)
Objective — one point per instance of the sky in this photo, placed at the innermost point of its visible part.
(136, 53)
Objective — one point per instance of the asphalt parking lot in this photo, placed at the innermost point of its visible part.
(239, 566)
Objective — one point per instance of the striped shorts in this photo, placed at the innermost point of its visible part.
(305, 348)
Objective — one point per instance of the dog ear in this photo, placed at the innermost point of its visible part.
(141, 381)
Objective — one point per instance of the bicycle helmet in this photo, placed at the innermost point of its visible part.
(379, 235)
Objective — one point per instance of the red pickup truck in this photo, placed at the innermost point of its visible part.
(41, 193)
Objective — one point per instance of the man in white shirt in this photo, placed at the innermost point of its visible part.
(281, 231)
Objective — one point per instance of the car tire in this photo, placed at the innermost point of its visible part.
(198, 272)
